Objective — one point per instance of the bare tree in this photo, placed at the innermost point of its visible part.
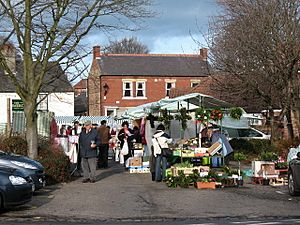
(128, 46)
(255, 43)
(51, 31)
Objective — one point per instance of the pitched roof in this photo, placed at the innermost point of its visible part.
(55, 79)
(152, 65)
(82, 84)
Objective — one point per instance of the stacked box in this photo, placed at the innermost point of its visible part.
(139, 169)
(135, 162)
(177, 152)
(138, 153)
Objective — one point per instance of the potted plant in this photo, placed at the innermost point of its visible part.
(205, 182)
(239, 156)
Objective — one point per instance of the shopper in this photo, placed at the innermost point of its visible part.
(214, 135)
(160, 142)
(104, 136)
(125, 135)
(88, 141)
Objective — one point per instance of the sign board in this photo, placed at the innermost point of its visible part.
(17, 105)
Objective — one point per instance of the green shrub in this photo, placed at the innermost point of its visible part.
(55, 162)
(14, 144)
(261, 145)
(241, 145)
(253, 146)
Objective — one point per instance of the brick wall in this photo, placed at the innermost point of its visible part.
(155, 90)
(93, 85)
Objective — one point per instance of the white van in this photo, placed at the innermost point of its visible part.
(244, 133)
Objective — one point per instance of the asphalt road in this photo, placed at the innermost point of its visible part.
(214, 221)
(119, 196)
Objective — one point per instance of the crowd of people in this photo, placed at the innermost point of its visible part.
(92, 144)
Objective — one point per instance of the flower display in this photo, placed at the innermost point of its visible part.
(216, 114)
(205, 115)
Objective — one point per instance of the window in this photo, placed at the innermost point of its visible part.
(111, 112)
(127, 89)
(140, 89)
(194, 84)
(169, 85)
(42, 101)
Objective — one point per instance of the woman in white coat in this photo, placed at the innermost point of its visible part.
(160, 142)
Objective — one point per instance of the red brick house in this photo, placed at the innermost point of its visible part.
(117, 82)
(80, 87)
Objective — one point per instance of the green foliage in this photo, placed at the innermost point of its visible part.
(281, 165)
(181, 180)
(268, 156)
(183, 116)
(14, 144)
(165, 118)
(261, 145)
(239, 156)
(253, 146)
(185, 164)
(236, 113)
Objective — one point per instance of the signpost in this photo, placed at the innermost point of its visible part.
(17, 105)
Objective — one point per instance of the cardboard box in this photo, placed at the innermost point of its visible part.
(135, 161)
(263, 168)
(214, 148)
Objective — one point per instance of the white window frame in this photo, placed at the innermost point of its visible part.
(114, 109)
(194, 83)
(43, 105)
(143, 89)
(173, 84)
(126, 89)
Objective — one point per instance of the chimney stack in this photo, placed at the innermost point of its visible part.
(203, 54)
(96, 51)
(9, 55)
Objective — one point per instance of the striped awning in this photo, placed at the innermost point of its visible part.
(69, 120)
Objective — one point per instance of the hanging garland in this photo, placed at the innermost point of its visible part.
(183, 116)
(165, 118)
(236, 113)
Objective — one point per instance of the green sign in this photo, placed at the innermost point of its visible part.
(17, 105)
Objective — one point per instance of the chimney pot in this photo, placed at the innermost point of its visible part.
(96, 51)
(203, 54)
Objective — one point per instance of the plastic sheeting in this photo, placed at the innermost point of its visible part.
(189, 101)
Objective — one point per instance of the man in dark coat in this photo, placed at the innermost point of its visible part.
(104, 136)
(88, 141)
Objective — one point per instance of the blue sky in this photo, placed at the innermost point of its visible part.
(169, 31)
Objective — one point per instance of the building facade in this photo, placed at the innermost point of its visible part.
(118, 82)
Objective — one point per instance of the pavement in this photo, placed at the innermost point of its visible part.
(120, 196)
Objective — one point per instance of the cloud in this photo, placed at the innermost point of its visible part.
(169, 31)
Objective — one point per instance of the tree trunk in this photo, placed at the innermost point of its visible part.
(289, 124)
(296, 128)
(31, 129)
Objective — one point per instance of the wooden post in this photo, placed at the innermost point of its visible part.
(8, 126)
